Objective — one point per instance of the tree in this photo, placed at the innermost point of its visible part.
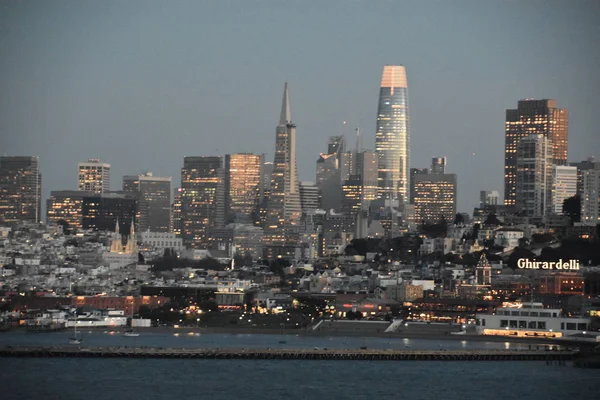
(459, 219)
(572, 208)
(492, 219)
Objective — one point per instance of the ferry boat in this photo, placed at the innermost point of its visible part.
(530, 320)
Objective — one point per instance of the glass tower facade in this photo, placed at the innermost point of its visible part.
(392, 139)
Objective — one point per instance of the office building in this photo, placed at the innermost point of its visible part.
(20, 189)
(66, 205)
(243, 185)
(583, 166)
(101, 212)
(153, 195)
(413, 173)
(435, 197)
(176, 223)
(489, 198)
(329, 181)
(284, 209)
(590, 201)
(310, 197)
(533, 175)
(438, 165)
(202, 199)
(392, 138)
(533, 117)
(94, 176)
(564, 185)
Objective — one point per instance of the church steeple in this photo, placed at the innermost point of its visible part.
(116, 245)
(131, 247)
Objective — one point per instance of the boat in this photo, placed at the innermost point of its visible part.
(75, 339)
(131, 332)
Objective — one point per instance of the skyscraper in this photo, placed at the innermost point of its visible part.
(94, 176)
(66, 205)
(489, 198)
(590, 200)
(533, 175)
(101, 212)
(392, 139)
(243, 185)
(329, 181)
(153, 194)
(310, 198)
(176, 223)
(20, 189)
(284, 209)
(583, 166)
(533, 117)
(564, 185)
(202, 199)
(435, 196)
(438, 165)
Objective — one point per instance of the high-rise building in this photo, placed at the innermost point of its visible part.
(392, 139)
(336, 145)
(153, 194)
(267, 175)
(202, 199)
(66, 205)
(564, 185)
(435, 197)
(20, 189)
(310, 198)
(284, 209)
(243, 185)
(583, 166)
(176, 223)
(438, 165)
(101, 212)
(533, 175)
(590, 201)
(533, 117)
(329, 181)
(489, 198)
(94, 176)
(413, 173)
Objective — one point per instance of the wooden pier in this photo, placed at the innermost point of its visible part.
(291, 354)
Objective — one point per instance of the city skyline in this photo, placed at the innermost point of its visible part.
(142, 100)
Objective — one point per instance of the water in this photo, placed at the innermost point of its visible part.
(181, 339)
(83, 379)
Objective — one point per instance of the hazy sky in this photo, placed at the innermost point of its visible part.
(141, 84)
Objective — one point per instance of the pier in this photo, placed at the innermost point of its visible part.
(292, 354)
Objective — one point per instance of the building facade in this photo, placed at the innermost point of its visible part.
(392, 138)
(20, 189)
(101, 212)
(153, 195)
(533, 176)
(434, 196)
(66, 205)
(564, 185)
(590, 201)
(533, 117)
(202, 199)
(94, 176)
(243, 185)
(489, 198)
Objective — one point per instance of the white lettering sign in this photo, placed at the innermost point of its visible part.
(525, 263)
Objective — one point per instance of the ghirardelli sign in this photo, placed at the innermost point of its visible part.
(570, 265)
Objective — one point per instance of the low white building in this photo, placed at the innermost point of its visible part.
(508, 238)
(160, 241)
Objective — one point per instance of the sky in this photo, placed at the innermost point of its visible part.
(141, 84)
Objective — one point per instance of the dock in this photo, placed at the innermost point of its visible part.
(291, 354)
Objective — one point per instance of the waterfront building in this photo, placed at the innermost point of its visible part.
(20, 189)
(94, 176)
(533, 117)
(243, 185)
(284, 209)
(564, 185)
(66, 205)
(529, 320)
(533, 175)
(153, 195)
(202, 199)
(392, 138)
